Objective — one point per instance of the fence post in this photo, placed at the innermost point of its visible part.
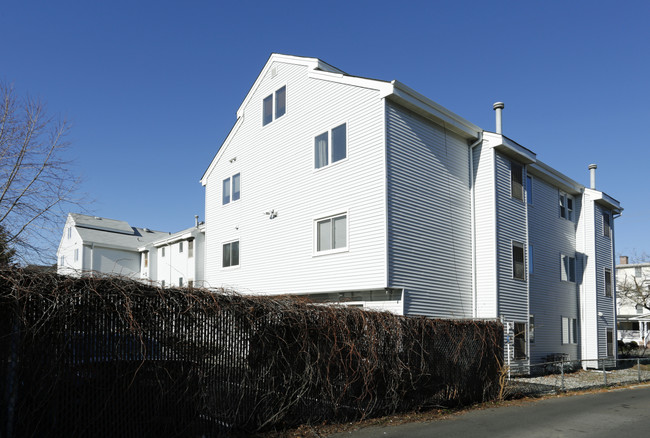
(604, 373)
(562, 371)
(638, 368)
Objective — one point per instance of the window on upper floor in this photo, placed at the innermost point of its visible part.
(332, 233)
(516, 181)
(569, 330)
(274, 106)
(230, 254)
(568, 268)
(162, 252)
(608, 282)
(180, 281)
(566, 206)
(145, 256)
(190, 248)
(76, 254)
(531, 259)
(529, 189)
(330, 146)
(180, 246)
(531, 328)
(69, 232)
(518, 261)
(231, 189)
(607, 230)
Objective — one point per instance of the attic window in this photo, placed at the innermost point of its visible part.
(274, 106)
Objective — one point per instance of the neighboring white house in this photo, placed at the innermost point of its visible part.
(366, 192)
(633, 318)
(92, 244)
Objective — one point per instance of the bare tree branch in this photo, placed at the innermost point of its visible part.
(37, 186)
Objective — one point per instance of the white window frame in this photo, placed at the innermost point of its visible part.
(230, 183)
(331, 217)
(569, 330)
(565, 268)
(273, 97)
(563, 204)
(329, 146)
(230, 242)
(190, 248)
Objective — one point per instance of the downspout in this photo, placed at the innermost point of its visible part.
(473, 220)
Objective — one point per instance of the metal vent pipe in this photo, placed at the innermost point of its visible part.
(498, 106)
(592, 176)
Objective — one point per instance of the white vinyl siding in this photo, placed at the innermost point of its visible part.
(283, 179)
(429, 253)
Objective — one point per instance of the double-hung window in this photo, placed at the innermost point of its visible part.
(518, 264)
(180, 246)
(274, 105)
(190, 248)
(332, 233)
(76, 255)
(566, 206)
(607, 230)
(231, 189)
(230, 254)
(330, 146)
(608, 282)
(516, 181)
(569, 330)
(568, 268)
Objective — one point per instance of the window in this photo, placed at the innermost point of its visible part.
(606, 226)
(331, 233)
(230, 254)
(180, 281)
(569, 330)
(180, 246)
(516, 181)
(231, 186)
(610, 342)
(568, 268)
(566, 206)
(330, 146)
(638, 271)
(531, 259)
(608, 282)
(145, 257)
(162, 283)
(162, 251)
(190, 283)
(190, 248)
(280, 106)
(531, 328)
(529, 189)
(69, 232)
(61, 260)
(518, 269)
(520, 340)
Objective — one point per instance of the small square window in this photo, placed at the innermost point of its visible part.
(518, 264)
(230, 255)
(516, 181)
(330, 146)
(331, 233)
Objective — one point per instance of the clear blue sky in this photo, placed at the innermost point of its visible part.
(152, 87)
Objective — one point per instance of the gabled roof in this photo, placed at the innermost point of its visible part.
(112, 232)
(393, 90)
(101, 223)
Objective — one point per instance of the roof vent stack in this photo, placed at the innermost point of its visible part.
(592, 175)
(498, 106)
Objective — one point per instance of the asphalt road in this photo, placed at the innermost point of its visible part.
(615, 413)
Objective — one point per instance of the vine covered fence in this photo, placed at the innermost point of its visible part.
(113, 357)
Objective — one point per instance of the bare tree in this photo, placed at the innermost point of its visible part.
(635, 289)
(36, 183)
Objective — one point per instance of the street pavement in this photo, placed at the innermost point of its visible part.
(619, 412)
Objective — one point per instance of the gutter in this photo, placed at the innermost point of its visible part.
(473, 220)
